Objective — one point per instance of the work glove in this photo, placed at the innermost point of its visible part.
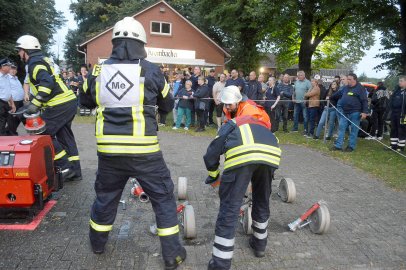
(32, 109)
(213, 181)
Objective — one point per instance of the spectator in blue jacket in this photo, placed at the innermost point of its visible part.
(272, 98)
(185, 105)
(236, 80)
(253, 88)
(353, 104)
(201, 102)
(285, 90)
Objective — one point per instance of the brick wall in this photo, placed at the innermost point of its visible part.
(184, 37)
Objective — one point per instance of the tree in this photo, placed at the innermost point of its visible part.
(393, 29)
(35, 17)
(310, 33)
(92, 17)
(239, 26)
(73, 58)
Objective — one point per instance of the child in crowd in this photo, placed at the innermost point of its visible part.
(185, 105)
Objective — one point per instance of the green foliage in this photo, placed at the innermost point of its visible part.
(74, 59)
(241, 24)
(35, 17)
(391, 28)
(92, 17)
(392, 80)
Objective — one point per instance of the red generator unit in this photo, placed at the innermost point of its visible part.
(27, 174)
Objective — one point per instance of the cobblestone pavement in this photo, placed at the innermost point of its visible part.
(367, 229)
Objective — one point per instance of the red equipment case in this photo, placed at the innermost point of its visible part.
(27, 175)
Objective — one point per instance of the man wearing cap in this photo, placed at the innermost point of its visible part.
(127, 89)
(17, 92)
(236, 104)
(6, 99)
(58, 104)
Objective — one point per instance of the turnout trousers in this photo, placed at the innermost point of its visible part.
(154, 177)
(233, 186)
(58, 122)
(397, 133)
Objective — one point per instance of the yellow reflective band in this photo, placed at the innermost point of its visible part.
(168, 231)
(96, 70)
(72, 158)
(253, 147)
(85, 86)
(37, 68)
(33, 88)
(246, 134)
(44, 90)
(100, 228)
(127, 139)
(97, 92)
(63, 86)
(36, 102)
(141, 116)
(165, 90)
(214, 174)
(128, 149)
(61, 99)
(60, 155)
(252, 157)
(137, 112)
(99, 121)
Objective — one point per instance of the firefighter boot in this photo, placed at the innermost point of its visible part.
(173, 264)
(98, 240)
(211, 266)
(257, 253)
(67, 174)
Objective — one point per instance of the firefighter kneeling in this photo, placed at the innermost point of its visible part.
(251, 154)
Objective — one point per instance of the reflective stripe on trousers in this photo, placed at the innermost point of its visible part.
(259, 229)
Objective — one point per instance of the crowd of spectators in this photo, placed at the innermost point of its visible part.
(345, 106)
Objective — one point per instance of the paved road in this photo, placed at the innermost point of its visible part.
(367, 230)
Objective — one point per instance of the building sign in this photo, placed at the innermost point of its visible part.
(170, 53)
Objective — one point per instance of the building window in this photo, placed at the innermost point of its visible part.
(161, 28)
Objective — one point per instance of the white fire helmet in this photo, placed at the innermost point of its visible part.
(230, 95)
(129, 28)
(28, 42)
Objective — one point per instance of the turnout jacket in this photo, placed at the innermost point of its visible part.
(243, 140)
(48, 88)
(126, 94)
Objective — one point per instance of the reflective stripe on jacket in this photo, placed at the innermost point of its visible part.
(243, 143)
(47, 87)
(126, 94)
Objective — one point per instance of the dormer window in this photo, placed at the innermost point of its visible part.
(161, 28)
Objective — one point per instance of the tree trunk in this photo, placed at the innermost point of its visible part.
(402, 36)
(306, 34)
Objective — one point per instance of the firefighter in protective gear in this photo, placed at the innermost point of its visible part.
(251, 154)
(236, 104)
(57, 102)
(127, 90)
